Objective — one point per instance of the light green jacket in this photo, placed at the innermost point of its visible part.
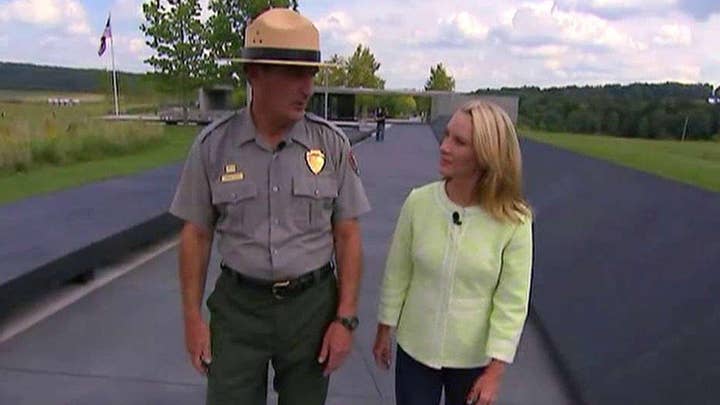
(458, 294)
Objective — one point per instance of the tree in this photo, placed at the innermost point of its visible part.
(440, 79)
(643, 129)
(398, 106)
(362, 69)
(612, 122)
(423, 104)
(336, 75)
(699, 125)
(225, 34)
(176, 34)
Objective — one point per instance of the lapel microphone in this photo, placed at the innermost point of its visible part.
(456, 218)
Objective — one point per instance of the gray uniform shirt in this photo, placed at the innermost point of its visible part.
(273, 215)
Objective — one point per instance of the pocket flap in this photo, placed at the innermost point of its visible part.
(319, 187)
(233, 192)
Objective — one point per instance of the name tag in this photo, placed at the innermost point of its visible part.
(232, 177)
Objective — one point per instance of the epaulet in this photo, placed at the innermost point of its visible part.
(322, 121)
(213, 125)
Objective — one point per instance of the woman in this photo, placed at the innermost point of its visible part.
(457, 278)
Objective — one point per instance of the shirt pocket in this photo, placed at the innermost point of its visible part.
(313, 200)
(231, 201)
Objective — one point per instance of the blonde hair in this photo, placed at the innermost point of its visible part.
(498, 152)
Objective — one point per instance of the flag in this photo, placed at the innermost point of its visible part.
(107, 33)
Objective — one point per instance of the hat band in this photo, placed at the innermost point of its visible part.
(300, 55)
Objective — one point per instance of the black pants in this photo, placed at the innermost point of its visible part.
(380, 132)
(418, 384)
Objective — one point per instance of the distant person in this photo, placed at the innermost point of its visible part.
(280, 189)
(380, 119)
(457, 278)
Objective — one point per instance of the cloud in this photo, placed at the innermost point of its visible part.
(528, 42)
(31, 11)
(339, 30)
(533, 26)
(461, 29)
(69, 14)
(701, 10)
(137, 46)
(673, 34)
(127, 10)
(49, 41)
(482, 43)
(616, 9)
(541, 51)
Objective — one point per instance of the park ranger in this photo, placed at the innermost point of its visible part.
(281, 190)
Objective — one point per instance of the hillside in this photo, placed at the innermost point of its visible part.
(24, 76)
(642, 110)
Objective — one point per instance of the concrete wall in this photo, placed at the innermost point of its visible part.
(215, 99)
(446, 104)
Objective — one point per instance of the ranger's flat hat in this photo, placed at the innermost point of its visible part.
(281, 36)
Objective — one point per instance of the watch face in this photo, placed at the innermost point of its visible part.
(350, 323)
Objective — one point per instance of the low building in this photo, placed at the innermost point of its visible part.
(339, 103)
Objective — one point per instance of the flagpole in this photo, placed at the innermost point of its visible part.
(115, 89)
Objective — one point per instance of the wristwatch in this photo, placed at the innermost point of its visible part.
(350, 323)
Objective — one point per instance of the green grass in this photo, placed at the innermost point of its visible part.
(173, 147)
(34, 134)
(41, 96)
(46, 148)
(692, 162)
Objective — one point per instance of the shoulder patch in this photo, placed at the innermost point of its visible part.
(213, 125)
(322, 121)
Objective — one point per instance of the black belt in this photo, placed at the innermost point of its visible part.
(284, 288)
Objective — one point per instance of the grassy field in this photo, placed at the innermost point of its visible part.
(47, 178)
(16, 96)
(46, 148)
(692, 162)
(34, 135)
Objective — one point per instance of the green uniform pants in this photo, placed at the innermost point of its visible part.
(250, 328)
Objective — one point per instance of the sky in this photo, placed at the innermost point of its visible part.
(483, 44)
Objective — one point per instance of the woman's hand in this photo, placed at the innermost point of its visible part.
(486, 387)
(381, 348)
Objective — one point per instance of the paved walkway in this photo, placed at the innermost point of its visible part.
(122, 344)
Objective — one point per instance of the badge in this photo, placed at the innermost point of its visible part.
(231, 174)
(354, 163)
(315, 159)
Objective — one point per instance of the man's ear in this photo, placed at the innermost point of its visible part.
(251, 72)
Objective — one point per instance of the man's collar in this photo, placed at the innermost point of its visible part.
(243, 128)
(245, 131)
(298, 133)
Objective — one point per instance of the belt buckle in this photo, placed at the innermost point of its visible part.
(278, 287)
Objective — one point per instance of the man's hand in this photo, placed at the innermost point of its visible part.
(336, 346)
(197, 343)
(195, 243)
